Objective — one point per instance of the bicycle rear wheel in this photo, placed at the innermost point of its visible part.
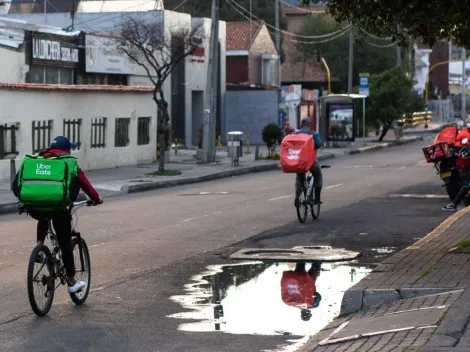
(82, 269)
(40, 286)
(302, 207)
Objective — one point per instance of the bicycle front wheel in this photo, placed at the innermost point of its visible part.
(81, 257)
(40, 280)
(315, 210)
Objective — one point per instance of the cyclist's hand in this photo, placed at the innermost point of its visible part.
(94, 202)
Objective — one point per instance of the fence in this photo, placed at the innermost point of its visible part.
(8, 140)
(72, 130)
(42, 135)
(442, 110)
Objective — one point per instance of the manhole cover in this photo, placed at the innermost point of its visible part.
(297, 254)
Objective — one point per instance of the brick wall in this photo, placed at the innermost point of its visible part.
(295, 68)
(237, 69)
(440, 75)
(262, 44)
(249, 111)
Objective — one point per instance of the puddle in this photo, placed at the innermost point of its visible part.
(384, 250)
(246, 298)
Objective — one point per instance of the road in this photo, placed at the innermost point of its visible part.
(145, 247)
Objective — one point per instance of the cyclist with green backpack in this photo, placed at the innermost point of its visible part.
(46, 186)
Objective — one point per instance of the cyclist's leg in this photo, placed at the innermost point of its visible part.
(299, 184)
(317, 180)
(63, 228)
(43, 227)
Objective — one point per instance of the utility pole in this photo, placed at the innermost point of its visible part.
(351, 59)
(399, 63)
(210, 110)
(278, 48)
(464, 86)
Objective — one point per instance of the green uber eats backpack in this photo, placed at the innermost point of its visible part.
(48, 184)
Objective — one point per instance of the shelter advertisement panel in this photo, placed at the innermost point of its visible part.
(341, 122)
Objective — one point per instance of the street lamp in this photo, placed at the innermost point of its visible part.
(329, 74)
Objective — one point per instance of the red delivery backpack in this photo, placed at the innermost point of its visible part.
(298, 153)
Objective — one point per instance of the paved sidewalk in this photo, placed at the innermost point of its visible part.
(417, 300)
(130, 179)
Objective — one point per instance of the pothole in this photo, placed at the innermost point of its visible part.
(257, 298)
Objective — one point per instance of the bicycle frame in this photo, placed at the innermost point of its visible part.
(58, 264)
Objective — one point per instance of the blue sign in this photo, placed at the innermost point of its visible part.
(282, 117)
(364, 84)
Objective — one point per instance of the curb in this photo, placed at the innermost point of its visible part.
(356, 299)
(384, 145)
(148, 186)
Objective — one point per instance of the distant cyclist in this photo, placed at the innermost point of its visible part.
(315, 169)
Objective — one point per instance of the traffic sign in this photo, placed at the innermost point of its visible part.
(364, 84)
(292, 100)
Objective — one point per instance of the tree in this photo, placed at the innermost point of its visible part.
(262, 9)
(389, 98)
(367, 58)
(271, 135)
(158, 53)
(430, 20)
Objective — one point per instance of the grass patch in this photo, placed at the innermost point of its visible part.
(425, 272)
(275, 156)
(461, 245)
(165, 173)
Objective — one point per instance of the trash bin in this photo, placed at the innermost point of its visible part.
(234, 144)
(398, 128)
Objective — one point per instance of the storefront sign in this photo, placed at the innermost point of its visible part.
(102, 55)
(53, 50)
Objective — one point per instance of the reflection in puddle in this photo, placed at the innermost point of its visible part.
(384, 250)
(247, 298)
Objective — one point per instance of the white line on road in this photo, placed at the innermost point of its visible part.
(401, 168)
(426, 196)
(284, 197)
(277, 198)
(202, 216)
(333, 186)
(98, 245)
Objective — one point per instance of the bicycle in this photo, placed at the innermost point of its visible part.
(307, 201)
(55, 268)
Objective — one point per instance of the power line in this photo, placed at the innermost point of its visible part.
(232, 3)
(302, 9)
(374, 36)
(379, 45)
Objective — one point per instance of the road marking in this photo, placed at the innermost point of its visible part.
(425, 196)
(277, 198)
(98, 245)
(334, 186)
(202, 216)
(401, 168)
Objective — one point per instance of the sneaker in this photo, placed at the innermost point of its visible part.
(449, 207)
(77, 286)
(296, 202)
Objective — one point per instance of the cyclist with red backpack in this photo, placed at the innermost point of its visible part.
(46, 186)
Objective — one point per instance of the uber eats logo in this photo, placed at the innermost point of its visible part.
(42, 169)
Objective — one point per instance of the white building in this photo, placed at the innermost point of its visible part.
(421, 68)
(184, 90)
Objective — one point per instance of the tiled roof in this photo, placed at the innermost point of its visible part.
(238, 34)
(83, 88)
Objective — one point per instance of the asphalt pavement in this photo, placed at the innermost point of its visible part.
(145, 247)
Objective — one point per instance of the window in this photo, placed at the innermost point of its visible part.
(102, 79)
(8, 140)
(42, 131)
(72, 129)
(121, 133)
(268, 69)
(50, 75)
(98, 133)
(143, 130)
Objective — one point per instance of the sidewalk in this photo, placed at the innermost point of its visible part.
(417, 300)
(131, 179)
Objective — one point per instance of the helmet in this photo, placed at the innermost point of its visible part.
(305, 121)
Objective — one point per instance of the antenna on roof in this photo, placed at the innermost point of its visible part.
(73, 11)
